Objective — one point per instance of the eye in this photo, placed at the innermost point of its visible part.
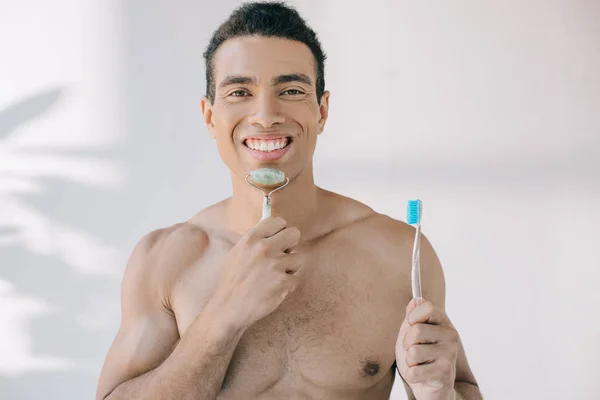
(239, 93)
(293, 92)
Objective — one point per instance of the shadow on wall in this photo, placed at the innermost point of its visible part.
(68, 221)
(57, 278)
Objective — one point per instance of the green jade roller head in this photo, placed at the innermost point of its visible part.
(268, 178)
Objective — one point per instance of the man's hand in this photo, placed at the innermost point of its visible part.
(426, 352)
(259, 272)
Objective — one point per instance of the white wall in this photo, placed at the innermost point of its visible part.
(488, 111)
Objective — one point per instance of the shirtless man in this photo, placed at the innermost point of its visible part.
(307, 304)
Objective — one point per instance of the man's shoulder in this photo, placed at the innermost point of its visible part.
(390, 227)
(181, 237)
(362, 219)
(161, 253)
(385, 234)
(384, 244)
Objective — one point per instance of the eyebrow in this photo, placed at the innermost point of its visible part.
(287, 78)
(278, 80)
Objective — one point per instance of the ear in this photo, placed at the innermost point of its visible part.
(323, 111)
(207, 113)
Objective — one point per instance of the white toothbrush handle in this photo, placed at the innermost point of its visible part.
(416, 267)
(266, 209)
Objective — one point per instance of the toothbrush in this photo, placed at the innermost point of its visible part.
(267, 177)
(414, 213)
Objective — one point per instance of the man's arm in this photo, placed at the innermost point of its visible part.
(434, 290)
(467, 391)
(464, 391)
(145, 360)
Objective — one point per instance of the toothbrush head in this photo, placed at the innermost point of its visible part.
(267, 177)
(414, 212)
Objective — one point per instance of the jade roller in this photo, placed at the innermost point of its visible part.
(270, 178)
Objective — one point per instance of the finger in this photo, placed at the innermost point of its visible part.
(423, 334)
(290, 263)
(436, 374)
(422, 354)
(404, 325)
(284, 240)
(427, 313)
(268, 227)
(288, 283)
(411, 305)
(284, 286)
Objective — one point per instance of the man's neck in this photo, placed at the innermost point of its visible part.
(296, 203)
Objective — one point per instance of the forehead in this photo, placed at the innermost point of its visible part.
(262, 57)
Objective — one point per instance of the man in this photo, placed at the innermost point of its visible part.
(308, 304)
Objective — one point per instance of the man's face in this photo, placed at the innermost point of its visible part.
(265, 112)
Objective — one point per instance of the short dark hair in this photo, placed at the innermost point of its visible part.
(268, 19)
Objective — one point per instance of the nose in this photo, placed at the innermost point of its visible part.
(267, 112)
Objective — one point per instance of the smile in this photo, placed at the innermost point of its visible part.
(267, 145)
(268, 149)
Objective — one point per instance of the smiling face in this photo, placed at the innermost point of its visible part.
(266, 112)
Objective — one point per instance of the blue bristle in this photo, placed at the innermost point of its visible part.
(414, 211)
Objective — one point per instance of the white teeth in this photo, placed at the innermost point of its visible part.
(266, 145)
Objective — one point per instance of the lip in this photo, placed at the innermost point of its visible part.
(270, 156)
(267, 136)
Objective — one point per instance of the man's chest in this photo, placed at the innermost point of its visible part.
(336, 331)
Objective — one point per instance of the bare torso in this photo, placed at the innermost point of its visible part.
(334, 336)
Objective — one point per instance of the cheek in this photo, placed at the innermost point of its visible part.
(307, 116)
(225, 122)
(226, 118)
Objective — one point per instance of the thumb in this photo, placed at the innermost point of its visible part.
(411, 304)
